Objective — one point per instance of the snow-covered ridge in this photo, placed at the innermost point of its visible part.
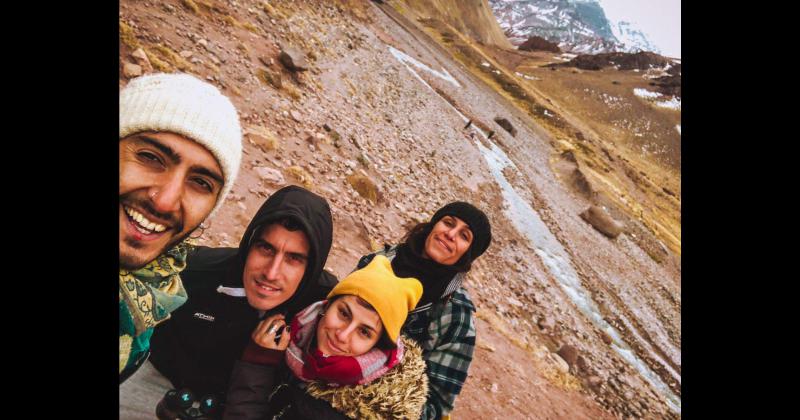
(578, 26)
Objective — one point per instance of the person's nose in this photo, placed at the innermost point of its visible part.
(166, 198)
(273, 269)
(344, 333)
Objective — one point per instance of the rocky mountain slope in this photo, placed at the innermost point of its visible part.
(573, 320)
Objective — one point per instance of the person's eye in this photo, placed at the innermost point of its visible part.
(296, 259)
(202, 183)
(366, 333)
(265, 247)
(149, 158)
(343, 313)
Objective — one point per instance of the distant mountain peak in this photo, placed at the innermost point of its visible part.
(579, 26)
(633, 38)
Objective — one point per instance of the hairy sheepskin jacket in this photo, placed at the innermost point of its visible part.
(257, 392)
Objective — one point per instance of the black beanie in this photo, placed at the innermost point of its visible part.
(477, 221)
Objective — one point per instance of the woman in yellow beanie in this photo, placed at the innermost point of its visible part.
(343, 357)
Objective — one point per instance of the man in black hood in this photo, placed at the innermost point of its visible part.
(277, 268)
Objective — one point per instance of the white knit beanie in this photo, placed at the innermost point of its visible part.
(183, 104)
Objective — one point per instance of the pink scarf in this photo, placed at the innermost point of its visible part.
(310, 365)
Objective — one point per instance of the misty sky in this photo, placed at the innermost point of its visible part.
(660, 20)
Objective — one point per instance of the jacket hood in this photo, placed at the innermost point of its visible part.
(313, 214)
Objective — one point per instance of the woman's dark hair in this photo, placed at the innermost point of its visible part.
(384, 342)
(415, 240)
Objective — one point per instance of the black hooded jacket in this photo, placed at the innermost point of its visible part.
(197, 346)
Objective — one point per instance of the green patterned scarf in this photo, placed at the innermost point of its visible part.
(146, 298)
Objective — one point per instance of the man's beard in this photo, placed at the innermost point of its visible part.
(134, 261)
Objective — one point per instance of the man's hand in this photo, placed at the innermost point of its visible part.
(266, 331)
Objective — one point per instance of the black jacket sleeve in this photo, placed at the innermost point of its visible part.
(257, 392)
(308, 407)
(250, 388)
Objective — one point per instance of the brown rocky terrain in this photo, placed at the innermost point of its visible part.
(537, 43)
(642, 60)
(376, 125)
(474, 18)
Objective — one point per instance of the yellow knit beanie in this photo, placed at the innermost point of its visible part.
(391, 296)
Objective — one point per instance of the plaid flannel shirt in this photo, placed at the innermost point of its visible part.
(446, 332)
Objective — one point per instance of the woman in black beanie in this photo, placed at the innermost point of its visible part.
(439, 253)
